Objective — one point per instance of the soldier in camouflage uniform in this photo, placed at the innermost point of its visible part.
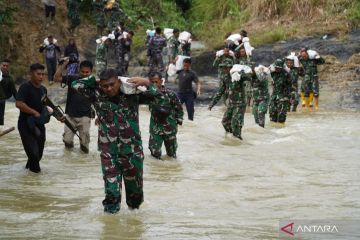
(73, 14)
(166, 114)
(101, 55)
(243, 59)
(119, 135)
(225, 77)
(174, 45)
(115, 15)
(156, 45)
(221, 59)
(233, 119)
(260, 94)
(294, 75)
(98, 6)
(279, 102)
(310, 83)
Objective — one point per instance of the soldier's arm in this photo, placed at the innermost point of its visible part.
(86, 87)
(216, 62)
(217, 96)
(320, 61)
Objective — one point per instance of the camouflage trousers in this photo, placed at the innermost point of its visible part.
(156, 141)
(100, 66)
(294, 101)
(116, 167)
(259, 109)
(248, 93)
(233, 119)
(156, 63)
(122, 62)
(278, 110)
(310, 86)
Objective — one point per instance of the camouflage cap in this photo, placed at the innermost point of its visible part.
(226, 63)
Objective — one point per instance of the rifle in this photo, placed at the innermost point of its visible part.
(59, 114)
(6, 131)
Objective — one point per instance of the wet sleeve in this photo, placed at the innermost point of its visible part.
(86, 87)
(216, 62)
(149, 95)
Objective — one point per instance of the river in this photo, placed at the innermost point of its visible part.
(217, 188)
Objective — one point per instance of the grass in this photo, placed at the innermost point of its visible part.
(276, 34)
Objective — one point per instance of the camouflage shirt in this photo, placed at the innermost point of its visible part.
(156, 45)
(101, 53)
(174, 45)
(260, 88)
(236, 91)
(282, 85)
(118, 116)
(168, 100)
(310, 67)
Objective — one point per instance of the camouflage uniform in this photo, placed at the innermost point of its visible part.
(294, 95)
(174, 45)
(246, 61)
(73, 13)
(101, 57)
(99, 13)
(233, 119)
(311, 80)
(156, 45)
(260, 94)
(220, 60)
(116, 16)
(279, 102)
(164, 128)
(119, 141)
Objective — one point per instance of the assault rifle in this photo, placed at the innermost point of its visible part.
(59, 114)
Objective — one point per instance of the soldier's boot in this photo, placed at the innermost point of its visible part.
(307, 103)
(316, 103)
(302, 99)
(111, 204)
(311, 99)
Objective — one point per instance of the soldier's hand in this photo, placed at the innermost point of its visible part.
(139, 81)
(62, 119)
(209, 108)
(97, 121)
(36, 114)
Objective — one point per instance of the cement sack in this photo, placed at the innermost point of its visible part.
(185, 37)
(313, 54)
(168, 33)
(221, 52)
(237, 70)
(236, 38)
(247, 46)
(171, 70)
(46, 41)
(179, 64)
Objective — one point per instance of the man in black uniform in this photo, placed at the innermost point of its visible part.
(186, 93)
(33, 116)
